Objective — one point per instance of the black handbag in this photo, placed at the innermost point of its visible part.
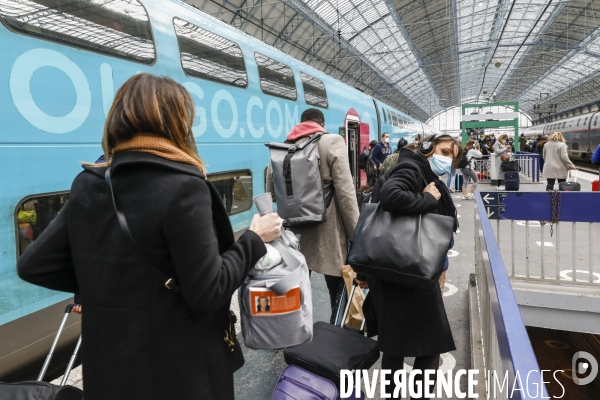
(409, 250)
(229, 335)
(510, 166)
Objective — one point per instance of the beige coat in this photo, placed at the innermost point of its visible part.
(325, 245)
(556, 160)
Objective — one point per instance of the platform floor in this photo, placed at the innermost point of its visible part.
(255, 381)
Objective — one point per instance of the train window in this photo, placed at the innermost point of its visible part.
(33, 215)
(389, 114)
(314, 91)
(235, 189)
(276, 79)
(119, 28)
(578, 121)
(395, 116)
(585, 121)
(595, 121)
(564, 124)
(384, 116)
(206, 55)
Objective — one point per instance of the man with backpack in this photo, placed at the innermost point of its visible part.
(323, 243)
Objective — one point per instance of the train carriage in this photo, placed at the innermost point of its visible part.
(63, 62)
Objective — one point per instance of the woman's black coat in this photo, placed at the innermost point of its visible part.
(141, 340)
(411, 322)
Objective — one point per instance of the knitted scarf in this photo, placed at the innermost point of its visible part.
(159, 146)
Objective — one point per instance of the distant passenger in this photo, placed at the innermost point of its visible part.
(557, 163)
(413, 322)
(325, 246)
(368, 165)
(501, 150)
(142, 340)
(382, 150)
(596, 156)
(522, 142)
(401, 143)
(472, 151)
(540, 150)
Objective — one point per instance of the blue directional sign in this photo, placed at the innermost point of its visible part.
(537, 206)
(494, 204)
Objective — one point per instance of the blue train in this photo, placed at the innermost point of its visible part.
(62, 62)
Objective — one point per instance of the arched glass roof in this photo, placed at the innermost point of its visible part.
(422, 56)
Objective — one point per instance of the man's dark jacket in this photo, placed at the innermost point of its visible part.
(141, 340)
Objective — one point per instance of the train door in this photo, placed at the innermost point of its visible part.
(353, 142)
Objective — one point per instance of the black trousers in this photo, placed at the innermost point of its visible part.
(333, 283)
(550, 185)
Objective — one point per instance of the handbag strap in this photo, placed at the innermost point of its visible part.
(170, 283)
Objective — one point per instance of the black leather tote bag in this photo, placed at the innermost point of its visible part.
(409, 250)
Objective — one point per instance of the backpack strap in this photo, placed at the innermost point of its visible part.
(292, 279)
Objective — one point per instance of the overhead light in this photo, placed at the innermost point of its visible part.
(497, 62)
(485, 90)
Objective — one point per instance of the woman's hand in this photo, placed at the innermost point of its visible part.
(431, 189)
(268, 227)
(76, 309)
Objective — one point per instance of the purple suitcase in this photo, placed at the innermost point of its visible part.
(297, 383)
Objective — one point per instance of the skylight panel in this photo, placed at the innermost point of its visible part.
(372, 24)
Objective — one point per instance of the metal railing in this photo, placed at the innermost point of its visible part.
(529, 163)
(507, 350)
(559, 253)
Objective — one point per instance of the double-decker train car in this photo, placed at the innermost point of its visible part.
(582, 134)
(62, 62)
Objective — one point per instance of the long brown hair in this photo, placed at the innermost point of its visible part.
(152, 105)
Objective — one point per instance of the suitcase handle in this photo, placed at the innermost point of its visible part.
(68, 310)
(347, 310)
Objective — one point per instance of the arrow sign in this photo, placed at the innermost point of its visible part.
(489, 213)
(487, 198)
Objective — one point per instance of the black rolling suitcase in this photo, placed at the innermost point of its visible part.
(570, 186)
(511, 180)
(333, 348)
(39, 390)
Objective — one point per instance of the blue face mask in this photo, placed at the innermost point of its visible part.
(440, 165)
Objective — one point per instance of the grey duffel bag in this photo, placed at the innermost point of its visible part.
(276, 304)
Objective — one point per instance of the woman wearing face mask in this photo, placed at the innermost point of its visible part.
(413, 322)
(501, 149)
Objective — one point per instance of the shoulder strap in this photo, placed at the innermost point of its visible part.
(170, 283)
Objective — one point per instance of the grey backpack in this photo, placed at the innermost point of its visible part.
(301, 198)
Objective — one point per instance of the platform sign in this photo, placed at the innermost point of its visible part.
(537, 206)
(494, 204)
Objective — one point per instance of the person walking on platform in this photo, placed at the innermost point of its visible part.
(540, 150)
(413, 322)
(557, 163)
(469, 171)
(382, 150)
(325, 245)
(144, 341)
(501, 150)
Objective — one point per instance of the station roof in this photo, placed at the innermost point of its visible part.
(422, 56)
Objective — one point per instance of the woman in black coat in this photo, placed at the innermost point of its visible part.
(413, 322)
(142, 340)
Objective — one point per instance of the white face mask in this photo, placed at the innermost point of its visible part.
(385, 140)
